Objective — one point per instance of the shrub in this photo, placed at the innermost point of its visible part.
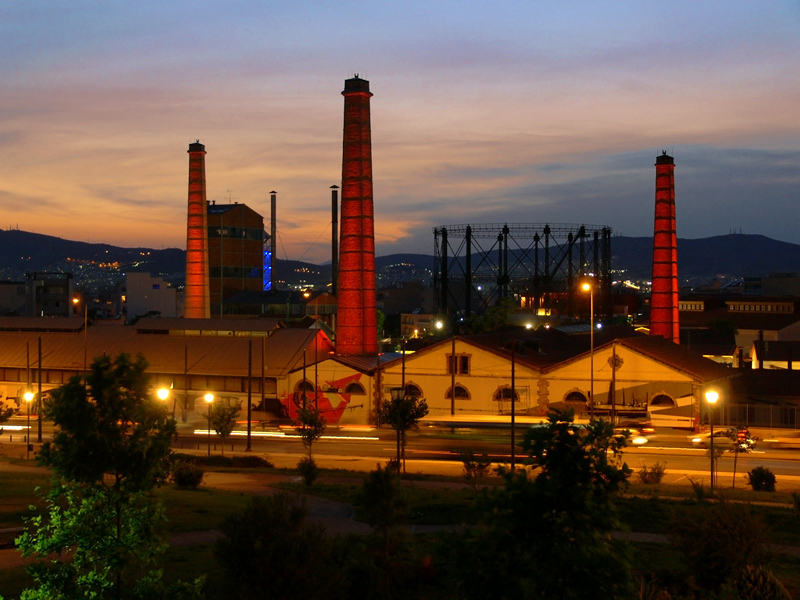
(796, 503)
(698, 488)
(251, 461)
(761, 479)
(652, 475)
(308, 469)
(475, 468)
(719, 543)
(758, 583)
(186, 475)
(248, 461)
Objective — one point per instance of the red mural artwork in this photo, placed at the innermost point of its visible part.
(332, 414)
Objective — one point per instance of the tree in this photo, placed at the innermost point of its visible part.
(109, 451)
(223, 420)
(546, 533)
(6, 410)
(402, 414)
(311, 425)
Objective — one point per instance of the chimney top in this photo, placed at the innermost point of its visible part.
(356, 85)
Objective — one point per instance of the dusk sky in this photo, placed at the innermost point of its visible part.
(482, 112)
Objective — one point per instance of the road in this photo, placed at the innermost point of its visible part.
(438, 450)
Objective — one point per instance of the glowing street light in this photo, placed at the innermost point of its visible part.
(588, 287)
(209, 398)
(711, 398)
(28, 397)
(162, 393)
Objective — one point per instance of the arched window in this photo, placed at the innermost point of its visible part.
(662, 400)
(503, 394)
(462, 393)
(412, 389)
(309, 387)
(355, 388)
(575, 397)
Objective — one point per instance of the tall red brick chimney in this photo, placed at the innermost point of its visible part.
(356, 326)
(664, 295)
(197, 303)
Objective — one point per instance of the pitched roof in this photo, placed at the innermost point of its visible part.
(206, 326)
(203, 355)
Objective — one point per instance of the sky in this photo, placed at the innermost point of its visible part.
(517, 112)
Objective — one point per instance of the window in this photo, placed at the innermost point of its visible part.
(462, 393)
(575, 397)
(355, 388)
(458, 363)
(662, 400)
(309, 387)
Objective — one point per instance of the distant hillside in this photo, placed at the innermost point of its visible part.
(735, 255)
(25, 251)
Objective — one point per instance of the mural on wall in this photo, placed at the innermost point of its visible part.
(333, 414)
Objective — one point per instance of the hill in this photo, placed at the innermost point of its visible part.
(730, 256)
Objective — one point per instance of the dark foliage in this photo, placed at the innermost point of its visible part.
(268, 551)
(186, 475)
(761, 479)
(719, 543)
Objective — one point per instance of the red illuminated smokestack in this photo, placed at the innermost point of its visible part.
(196, 299)
(356, 327)
(664, 296)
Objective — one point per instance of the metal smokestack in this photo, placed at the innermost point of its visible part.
(334, 238)
(273, 234)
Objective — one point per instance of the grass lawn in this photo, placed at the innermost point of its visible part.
(643, 508)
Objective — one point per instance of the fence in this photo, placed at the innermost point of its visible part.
(757, 415)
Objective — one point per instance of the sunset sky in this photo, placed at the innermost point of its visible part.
(482, 112)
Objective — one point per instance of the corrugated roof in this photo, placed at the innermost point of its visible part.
(682, 359)
(236, 326)
(41, 323)
(206, 355)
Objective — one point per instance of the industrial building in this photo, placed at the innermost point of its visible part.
(235, 253)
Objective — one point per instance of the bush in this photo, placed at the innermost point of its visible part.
(186, 475)
(761, 479)
(247, 461)
(475, 468)
(719, 543)
(757, 583)
(308, 469)
(652, 475)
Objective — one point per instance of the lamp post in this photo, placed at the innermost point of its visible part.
(711, 398)
(28, 398)
(397, 395)
(162, 393)
(588, 287)
(209, 398)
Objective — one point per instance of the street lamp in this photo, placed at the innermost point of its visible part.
(711, 398)
(28, 398)
(588, 287)
(397, 394)
(209, 398)
(162, 394)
